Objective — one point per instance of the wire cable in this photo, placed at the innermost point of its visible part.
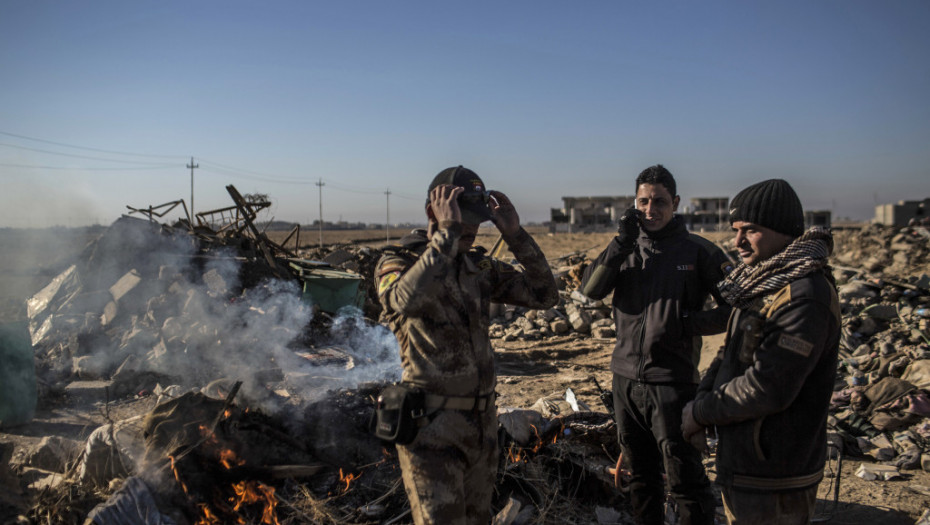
(73, 168)
(83, 156)
(92, 149)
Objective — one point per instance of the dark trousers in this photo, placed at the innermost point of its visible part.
(649, 428)
(772, 508)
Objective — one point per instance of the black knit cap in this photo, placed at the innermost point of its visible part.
(473, 202)
(771, 203)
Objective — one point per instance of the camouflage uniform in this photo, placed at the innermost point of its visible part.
(437, 302)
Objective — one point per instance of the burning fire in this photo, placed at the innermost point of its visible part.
(538, 439)
(177, 475)
(229, 460)
(348, 479)
(256, 492)
(244, 499)
(518, 454)
(209, 436)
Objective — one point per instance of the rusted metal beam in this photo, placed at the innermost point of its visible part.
(264, 244)
(155, 211)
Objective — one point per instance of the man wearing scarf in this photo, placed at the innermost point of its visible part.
(768, 392)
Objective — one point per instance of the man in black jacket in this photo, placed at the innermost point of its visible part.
(769, 392)
(660, 276)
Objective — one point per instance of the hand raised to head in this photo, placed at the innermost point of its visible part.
(442, 201)
(503, 213)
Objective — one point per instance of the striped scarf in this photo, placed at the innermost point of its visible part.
(804, 255)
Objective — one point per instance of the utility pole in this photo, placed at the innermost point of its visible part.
(320, 185)
(387, 222)
(192, 166)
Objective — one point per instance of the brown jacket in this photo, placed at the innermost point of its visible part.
(437, 302)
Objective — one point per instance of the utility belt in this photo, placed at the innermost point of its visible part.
(402, 409)
(478, 404)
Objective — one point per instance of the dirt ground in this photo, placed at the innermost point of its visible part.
(528, 371)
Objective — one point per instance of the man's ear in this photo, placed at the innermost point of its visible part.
(675, 203)
(429, 212)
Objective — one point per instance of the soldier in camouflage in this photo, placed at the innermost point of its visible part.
(436, 292)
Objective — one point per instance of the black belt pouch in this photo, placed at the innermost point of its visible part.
(398, 413)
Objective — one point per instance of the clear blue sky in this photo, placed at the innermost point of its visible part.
(102, 103)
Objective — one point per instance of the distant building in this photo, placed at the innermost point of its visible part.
(707, 214)
(820, 218)
(901, 213)
(586, 214)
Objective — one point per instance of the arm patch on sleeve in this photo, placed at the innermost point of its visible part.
(386, 280)
(795, 344)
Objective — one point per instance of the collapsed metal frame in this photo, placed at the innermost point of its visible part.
(238, 219)
(231, 217)
(155, 211)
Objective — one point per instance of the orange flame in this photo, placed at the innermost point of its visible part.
(229, 459)
(208, 518)
(516, 455)
(348, 478)
(211, 438)
(538, 439)
(177, 475)
(256, 492)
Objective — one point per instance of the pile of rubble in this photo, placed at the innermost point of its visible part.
(149, 304)
(880, 407)
(892, 253)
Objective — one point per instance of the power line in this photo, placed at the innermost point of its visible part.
(72, 168)
(409, 197)
(257, 174)
(210, 167)
(207, 168)
(79, 156)
(88, 149)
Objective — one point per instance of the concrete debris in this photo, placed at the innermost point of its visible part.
(871, 472)
(53, 453)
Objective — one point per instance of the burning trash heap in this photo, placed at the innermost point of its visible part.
(254, 381)
(233, 395)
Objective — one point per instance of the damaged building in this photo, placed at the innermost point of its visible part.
(587, 214)
(902, 212)
(703, 214)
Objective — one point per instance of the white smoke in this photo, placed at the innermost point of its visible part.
(154, 303)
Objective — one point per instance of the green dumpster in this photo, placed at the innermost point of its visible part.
(327, 287)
